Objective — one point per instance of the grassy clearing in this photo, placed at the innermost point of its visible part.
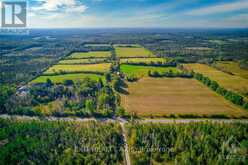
(62, 78)
(231, 82)
(123, 52)
(83, 61)
(142, 71)
(166, 96)
(231, 67)
(104, 67)
(143, 60)
(93, 54)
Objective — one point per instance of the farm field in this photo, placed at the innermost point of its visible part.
(61, 78)
(167, 96)
(232, 68)
(127, 45)
(143, 60)
(142, 71)
(123, 52)
(83, 61)
(231, 82)
(101, 68)
(93, 54)
(194, 143)
(46, 142)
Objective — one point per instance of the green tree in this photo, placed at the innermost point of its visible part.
(90, 105)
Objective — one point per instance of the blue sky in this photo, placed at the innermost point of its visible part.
(137, 13)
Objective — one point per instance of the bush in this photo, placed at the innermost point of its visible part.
(68, 82)
(245, 105)
(132, 78)
(120, 111)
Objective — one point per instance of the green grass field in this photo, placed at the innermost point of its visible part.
(83, 61)
(104, 67)
(94, 54)
(142, 71)
(132, 52)
(62, 78)
(231, 67)
(231, 82)
(143, 60)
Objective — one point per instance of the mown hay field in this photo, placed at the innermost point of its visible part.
(143, 60)
(177, 96)
(142, 71)
(83, 61)
(123, 52)
(101, 68)
(231, 67)
(74, 77)
(93, 54)
(231, 82)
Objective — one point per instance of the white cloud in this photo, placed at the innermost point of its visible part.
(221, 8)
(60, 6)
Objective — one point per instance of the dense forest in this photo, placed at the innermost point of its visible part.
(44, 142)
(195, 143)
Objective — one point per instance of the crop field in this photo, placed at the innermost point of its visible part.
(93, 54)
(231, 82)
(231, 67)
(123, 52)
(142, 71)
(62, 78)
(143, 60)
(83, 61)
(102, 68)
(177, 96)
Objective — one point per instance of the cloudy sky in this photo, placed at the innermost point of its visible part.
(137, 13)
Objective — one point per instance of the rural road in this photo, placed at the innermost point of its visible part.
(122, 122)
(124, 134)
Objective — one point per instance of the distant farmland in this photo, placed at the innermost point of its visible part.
(93, 54)
(83, 61)
(166, 96)
(231, 82)
(62, 78)
(231, 67)
(123, 52)
(141, 71)
(143, 60)
(101, 68)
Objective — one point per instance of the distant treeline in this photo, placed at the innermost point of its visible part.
(170, 73)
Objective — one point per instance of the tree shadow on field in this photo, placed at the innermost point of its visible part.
(123, 91)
